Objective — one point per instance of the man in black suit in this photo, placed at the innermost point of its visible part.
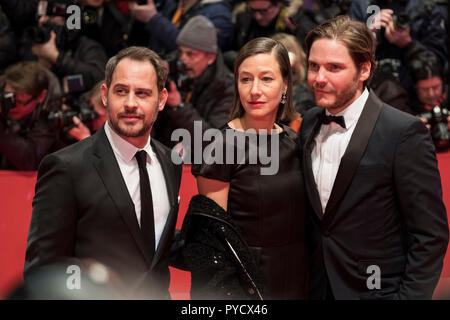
(378, 226)
(95, 200)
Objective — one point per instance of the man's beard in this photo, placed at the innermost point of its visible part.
(345, 96)
(130, 131)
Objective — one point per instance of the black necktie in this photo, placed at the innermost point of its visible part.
(325, 119)
(147, 219)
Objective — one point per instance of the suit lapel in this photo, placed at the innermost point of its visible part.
(110, 173)
(169, 176)
(354, 152)
(312, 191)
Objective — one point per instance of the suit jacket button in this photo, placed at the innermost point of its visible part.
(251, 291)
(326, 233)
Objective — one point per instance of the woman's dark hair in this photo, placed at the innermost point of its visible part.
(263, 45)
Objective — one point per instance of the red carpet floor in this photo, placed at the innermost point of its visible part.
(16, 194)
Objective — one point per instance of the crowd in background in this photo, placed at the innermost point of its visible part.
(51, 73)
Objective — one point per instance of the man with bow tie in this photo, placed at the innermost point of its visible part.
(378, 226)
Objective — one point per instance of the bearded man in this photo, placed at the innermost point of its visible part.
(377, 223)
(94, 199)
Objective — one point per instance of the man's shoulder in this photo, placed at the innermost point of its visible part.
(396, 118)
(394, 126)
(74, 153)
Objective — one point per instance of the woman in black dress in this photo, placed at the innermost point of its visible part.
(266, 208)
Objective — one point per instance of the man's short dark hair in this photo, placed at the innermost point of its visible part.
(356, 36)
(138, 54)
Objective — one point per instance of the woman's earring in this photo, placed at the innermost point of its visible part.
(283, 98)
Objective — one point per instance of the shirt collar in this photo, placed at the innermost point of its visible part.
(353, 111)
(125, 150)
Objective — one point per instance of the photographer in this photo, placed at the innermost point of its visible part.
(164, 19)
(110, 24)
(92, 113)
(19, 13)
(65, 52)
(7, 43)
(429, 99)
(212, 91)
(406, 28)
(263, 18)
(25, 137)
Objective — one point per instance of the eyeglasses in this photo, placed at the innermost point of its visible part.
(262, 11)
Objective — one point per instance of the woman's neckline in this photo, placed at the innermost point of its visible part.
(235, 125)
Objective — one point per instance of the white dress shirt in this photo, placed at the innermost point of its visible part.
(125, 152)
(330, 145)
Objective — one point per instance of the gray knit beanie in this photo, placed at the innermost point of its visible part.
(198, 33)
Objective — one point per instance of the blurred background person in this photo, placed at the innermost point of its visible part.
(164, 19)
(407, 27)
(76, 60)
(260, 18)
(8, 50)
(25, 136)
(429, 86)
(313, 13)
(92, 117)
(207, 92)
(111, 24)
(429, 98)
(20, 14)
(302, 97)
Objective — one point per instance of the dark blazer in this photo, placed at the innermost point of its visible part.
(82, 209)
(385, 209)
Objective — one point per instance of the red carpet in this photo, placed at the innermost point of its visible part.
(444, 169)
(16, 194)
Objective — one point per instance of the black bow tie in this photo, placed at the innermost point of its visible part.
(325, 119)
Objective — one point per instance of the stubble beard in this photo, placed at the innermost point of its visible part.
(130, 131)
(343, 98)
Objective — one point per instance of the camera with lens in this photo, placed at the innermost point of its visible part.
(401, 20)
(64, 118)
(7, 102)
(437, 119)
(53, 8)
(41, 34)
(177, 73)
